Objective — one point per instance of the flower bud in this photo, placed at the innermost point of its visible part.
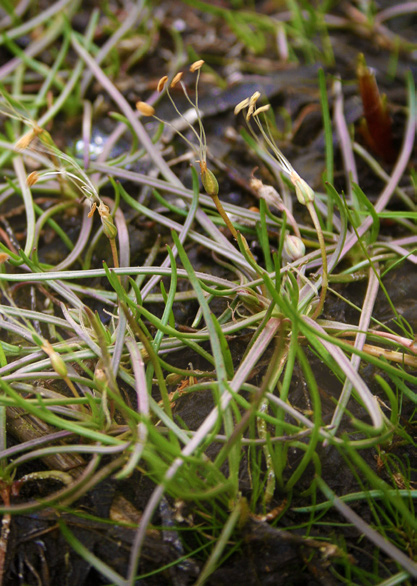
(173, 378)
(251, 300)
(57, 362)
(209, 181)
(109, 228)
(293, 248)
(303, 191)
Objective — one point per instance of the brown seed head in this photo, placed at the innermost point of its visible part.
(161, 83)
(196, 65)
(25, 140)
(176, 79)
(32, 178)
(92, 209)
(255, 184)
(145, 109)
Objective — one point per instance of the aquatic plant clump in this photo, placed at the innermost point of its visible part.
(216, 365)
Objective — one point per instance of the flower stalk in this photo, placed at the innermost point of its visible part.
(208, 178)
(303, 191)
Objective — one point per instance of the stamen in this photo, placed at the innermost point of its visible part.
(145, 109)
(196, 65)
(254, 98)
(176, 79)
(161, 83)
(261, 109)
(240, 106)
(249, 112)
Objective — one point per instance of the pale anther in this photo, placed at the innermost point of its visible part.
(196, 65)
